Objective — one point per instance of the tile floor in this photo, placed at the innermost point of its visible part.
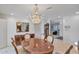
(11, 50)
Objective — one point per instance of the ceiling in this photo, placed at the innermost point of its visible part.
(49, 10)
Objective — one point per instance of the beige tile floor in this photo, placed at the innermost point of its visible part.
(7, 50)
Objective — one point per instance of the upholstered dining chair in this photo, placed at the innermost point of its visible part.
(17, 39)
(50, 39)
(18, 48)
(27, 36)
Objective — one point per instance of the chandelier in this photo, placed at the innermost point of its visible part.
(35, 15)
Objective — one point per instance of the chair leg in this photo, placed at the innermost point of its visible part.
(15, 48)
(68, 51)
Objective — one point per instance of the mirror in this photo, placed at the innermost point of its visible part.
(22, 27)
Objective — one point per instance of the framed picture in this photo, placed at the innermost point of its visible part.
(67, 27)
(22, 27)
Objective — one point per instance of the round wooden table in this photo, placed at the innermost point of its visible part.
(38, 46)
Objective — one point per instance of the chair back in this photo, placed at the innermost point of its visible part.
(27, 36)
(50, 39)
(18, 39)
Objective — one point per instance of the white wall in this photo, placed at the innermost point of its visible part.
(72, 33)
(11, 29)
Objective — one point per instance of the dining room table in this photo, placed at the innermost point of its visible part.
(38, 46)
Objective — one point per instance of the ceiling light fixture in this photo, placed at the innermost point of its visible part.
(12, 14)
(35, 16)
(77, 12)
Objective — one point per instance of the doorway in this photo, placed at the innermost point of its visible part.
(3, 33)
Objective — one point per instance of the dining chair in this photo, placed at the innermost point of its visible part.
(62, 47)
(68, 51)
(27, 36)
(50, 39)
(18, 48)
(17, 39)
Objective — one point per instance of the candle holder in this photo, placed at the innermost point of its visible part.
(36, 44)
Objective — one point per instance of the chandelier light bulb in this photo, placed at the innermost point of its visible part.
(35, 16)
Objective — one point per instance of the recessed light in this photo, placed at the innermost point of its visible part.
(11, 13)
(76, 43)
(77, 12)
(59, 16)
